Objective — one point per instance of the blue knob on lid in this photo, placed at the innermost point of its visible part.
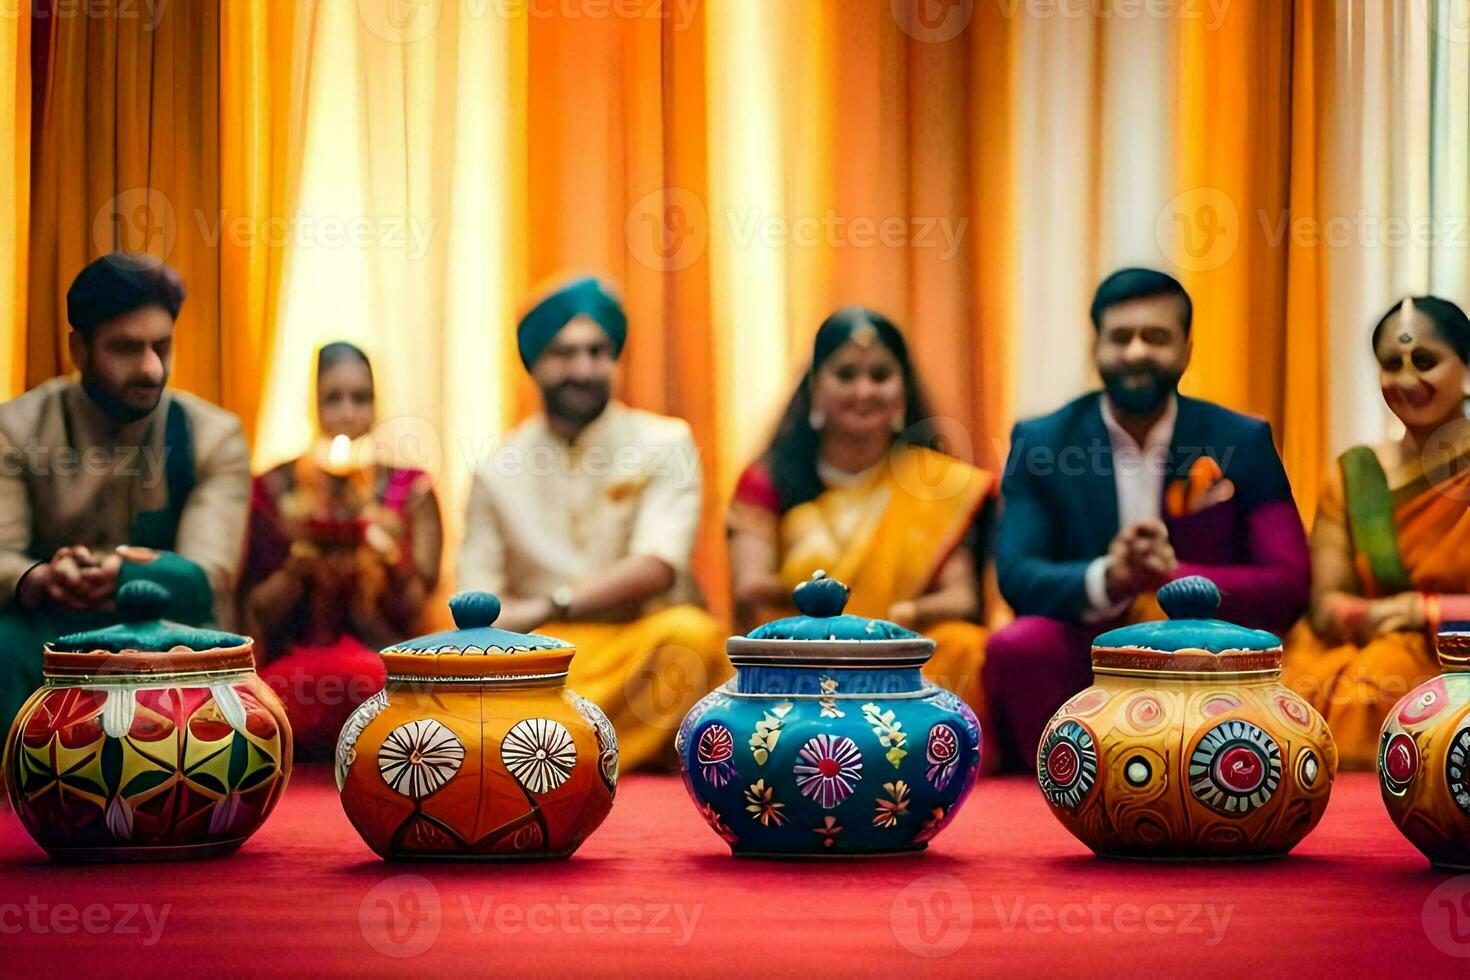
(1194, 597)
(820, 596)
(142, 600)
(472, 610)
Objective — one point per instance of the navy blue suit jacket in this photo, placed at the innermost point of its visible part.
(1060, 512)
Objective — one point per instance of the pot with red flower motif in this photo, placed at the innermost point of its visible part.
(1187, 745)
(476, 749)
(1424, 757)
(148, 741)
(827, 741)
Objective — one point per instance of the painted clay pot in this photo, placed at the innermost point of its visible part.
(827, 742)
(149, 740)
(475, 749)
(1424, 757)
(1187, 745)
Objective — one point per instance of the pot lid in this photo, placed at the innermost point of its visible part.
(475, 633)
(1452, 643)
(821, 601)
(1191, 604)
(140, 607)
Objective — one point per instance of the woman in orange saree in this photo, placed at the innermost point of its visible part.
(1391, 542)
(851, 486)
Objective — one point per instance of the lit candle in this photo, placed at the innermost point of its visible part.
(340, 454)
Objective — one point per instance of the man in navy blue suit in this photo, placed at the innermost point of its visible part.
(1121, 491)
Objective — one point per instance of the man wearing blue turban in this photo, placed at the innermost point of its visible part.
(584, 521)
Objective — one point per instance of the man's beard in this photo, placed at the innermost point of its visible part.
(115, 408)
(1140, 400)
(577, 402)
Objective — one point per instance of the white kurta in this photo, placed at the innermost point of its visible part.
(544, 513)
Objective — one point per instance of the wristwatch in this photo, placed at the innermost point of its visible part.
(561, 601)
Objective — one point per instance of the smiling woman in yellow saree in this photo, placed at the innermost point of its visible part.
(1391, 543)
(851, 486)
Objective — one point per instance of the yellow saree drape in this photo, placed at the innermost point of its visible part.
(887, 537)
(1355, 687)
(646, 675)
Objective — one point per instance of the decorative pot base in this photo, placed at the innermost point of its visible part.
(1201, 857)
(116, 855)
(480, 858)
(1444, 866)
(811, 856)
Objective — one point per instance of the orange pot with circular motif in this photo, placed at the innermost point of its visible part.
(1187, 745)
(148, 740)
(475, 748)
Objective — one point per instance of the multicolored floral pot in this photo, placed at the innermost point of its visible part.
(827, 741)
(1187, 745)
(1424, 757)
(475, 749)
(148, 741)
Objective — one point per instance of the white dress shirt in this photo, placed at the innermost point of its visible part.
(1138, 475)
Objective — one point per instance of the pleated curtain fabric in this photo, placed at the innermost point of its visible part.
(326, 171)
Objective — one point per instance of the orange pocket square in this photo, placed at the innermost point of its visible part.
(1204, 487)
(624, 489)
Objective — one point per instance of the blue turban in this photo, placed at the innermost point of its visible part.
(119, 283)
(587, 297)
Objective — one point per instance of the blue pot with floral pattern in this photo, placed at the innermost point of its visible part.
(827, 741)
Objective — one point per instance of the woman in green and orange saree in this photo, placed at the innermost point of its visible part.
(850, 485)
(1391, 542)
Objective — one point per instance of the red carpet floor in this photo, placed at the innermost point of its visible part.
(1003, 891)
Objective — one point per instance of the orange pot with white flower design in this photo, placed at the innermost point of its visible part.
(475, 748)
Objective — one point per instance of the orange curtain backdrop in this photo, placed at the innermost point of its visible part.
(741, 169)
(15, 189)
(129, 158)
(1253, 115)
(859, 155)
(616, 176)
(262, 88)
(1233, 138)
(1304, 422)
